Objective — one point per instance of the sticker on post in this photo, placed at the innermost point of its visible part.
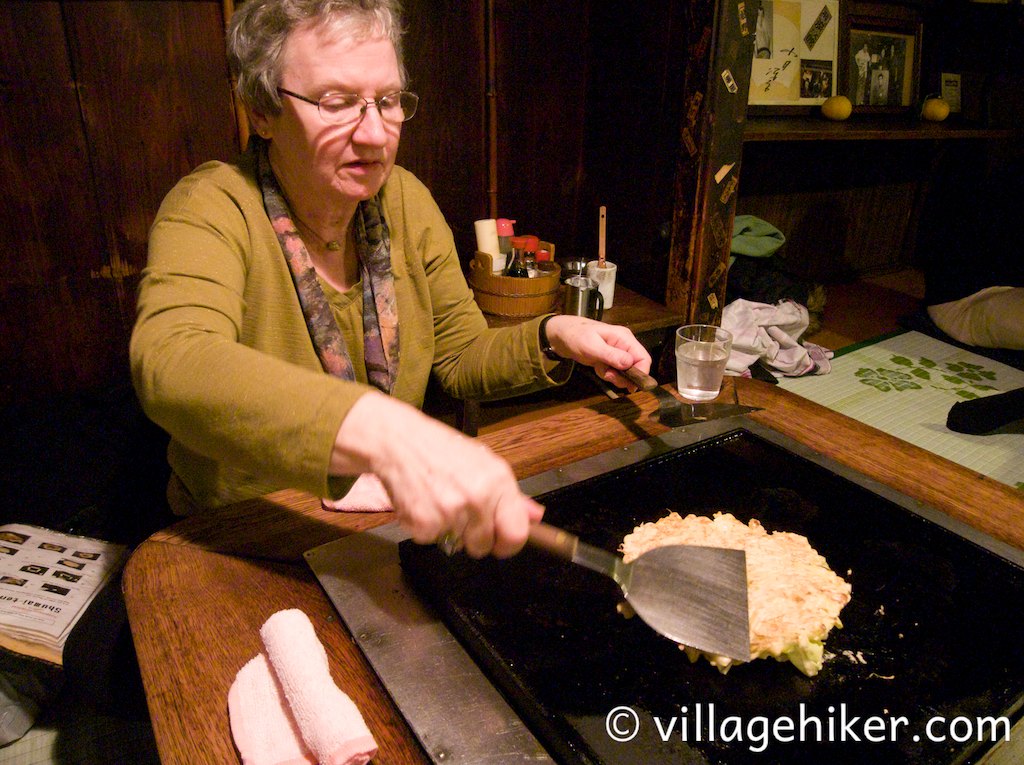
(688, 141)
(694, 108)
(718, 231)
(717, 273)
(730, 83)
(729, 188)
(744, 30)
(723, 171)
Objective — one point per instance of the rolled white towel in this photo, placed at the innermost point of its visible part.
(330, 723)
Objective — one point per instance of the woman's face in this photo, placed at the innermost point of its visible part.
(314, 160)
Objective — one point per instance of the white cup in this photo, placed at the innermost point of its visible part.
(605, 278)
(702, 352)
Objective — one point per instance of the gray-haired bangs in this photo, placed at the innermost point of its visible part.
(258, 30)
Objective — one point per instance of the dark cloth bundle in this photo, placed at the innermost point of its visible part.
(984, 415)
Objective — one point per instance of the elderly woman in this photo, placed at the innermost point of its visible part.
(296, 302)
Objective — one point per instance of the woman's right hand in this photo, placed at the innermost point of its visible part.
(441, 482)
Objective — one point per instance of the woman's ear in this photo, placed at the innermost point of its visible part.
(260, 124)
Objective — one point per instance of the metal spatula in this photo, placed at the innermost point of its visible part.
(693, 595)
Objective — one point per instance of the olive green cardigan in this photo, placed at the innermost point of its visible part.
(222, 360)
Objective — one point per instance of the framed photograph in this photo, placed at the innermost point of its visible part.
(881, 57)
(796, 50)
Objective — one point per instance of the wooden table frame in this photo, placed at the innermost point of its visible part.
(198, 592)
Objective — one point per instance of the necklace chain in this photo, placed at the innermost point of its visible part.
(334, 245)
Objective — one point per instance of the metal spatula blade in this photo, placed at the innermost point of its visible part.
(696, 596)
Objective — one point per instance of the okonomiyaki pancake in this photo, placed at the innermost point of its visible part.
(793, 597)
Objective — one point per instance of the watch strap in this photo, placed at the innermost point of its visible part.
(545, 344)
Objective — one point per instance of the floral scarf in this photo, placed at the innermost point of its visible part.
(380, 309)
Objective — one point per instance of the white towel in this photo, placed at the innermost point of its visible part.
(367, 495)
(261, 723)
(768, 333)
(330, 722)
(285, 708)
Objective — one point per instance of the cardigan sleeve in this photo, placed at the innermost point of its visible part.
(259, 408)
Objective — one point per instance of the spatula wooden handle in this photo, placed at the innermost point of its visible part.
(553, 540)
(641, 380)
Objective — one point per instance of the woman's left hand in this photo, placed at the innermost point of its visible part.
(608, 348)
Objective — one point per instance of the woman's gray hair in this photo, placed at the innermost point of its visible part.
(258, 30)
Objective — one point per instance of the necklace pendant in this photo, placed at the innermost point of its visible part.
(334, 245)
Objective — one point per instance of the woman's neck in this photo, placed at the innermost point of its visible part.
(335, 260)
(327, 233)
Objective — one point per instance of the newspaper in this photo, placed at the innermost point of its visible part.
(47, 580)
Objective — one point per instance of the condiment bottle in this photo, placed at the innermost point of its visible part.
(505, 234)
(531, 255)
(518, 265)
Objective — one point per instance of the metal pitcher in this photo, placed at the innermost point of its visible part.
(583, 298)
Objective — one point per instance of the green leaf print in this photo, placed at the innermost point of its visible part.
(886, 379)
(966, 379)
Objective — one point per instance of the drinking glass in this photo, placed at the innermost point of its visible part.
(702, 351)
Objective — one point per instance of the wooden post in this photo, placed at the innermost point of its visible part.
(711, 146)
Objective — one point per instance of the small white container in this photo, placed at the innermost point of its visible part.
(605, 278)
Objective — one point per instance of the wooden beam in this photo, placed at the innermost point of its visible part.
(711, 146)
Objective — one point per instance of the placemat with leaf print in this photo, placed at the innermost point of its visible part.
(905, 385)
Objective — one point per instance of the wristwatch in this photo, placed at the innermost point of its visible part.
(545, 344)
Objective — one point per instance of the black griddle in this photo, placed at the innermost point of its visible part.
(933, 628)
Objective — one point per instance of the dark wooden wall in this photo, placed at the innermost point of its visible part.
(445, 144)
(103, 105)
(589, 102)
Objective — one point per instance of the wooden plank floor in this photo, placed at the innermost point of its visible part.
(857, 311)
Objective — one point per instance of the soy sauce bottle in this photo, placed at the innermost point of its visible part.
(518, 266)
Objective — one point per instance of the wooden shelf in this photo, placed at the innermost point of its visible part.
(874, 128)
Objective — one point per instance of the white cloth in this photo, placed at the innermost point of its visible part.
(367, 495)
(768, 333)
(331, 724)
(262, 725)
(285, 708)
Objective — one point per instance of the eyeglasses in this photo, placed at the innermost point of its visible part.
(348, 108)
